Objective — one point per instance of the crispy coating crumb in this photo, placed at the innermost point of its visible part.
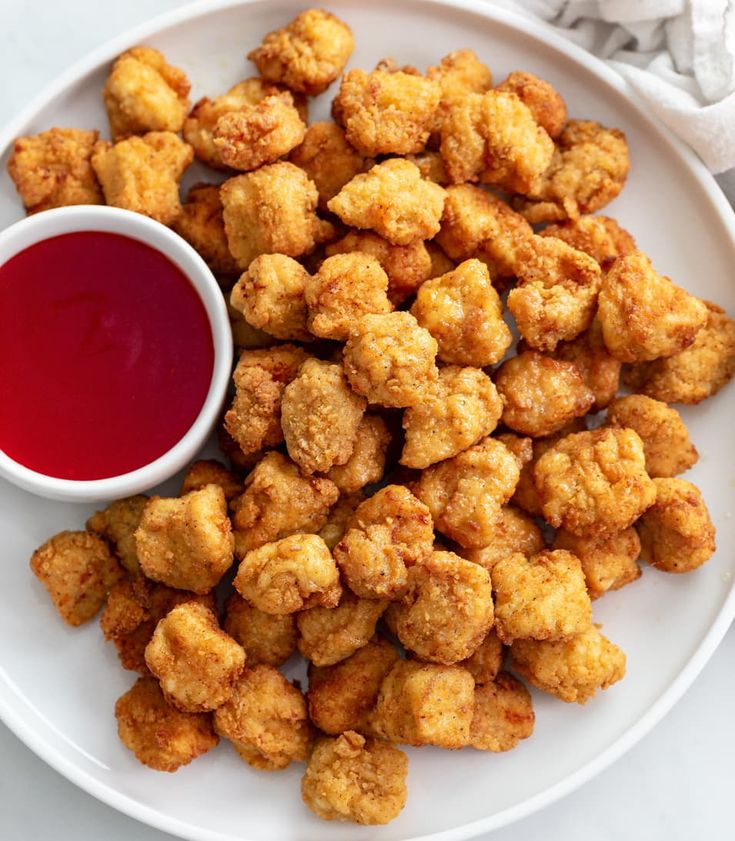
(513, 531)
(608, 563)
(187, 542)
(231, 449)
(78, 570)
(196, 663)
(202, 225)
(643, 315)
(503, 715)
(459, 73)
(308, 54)
(464, 494)
(265, 637)
(393, 200)
(334, 529)
(462, 408)
(572, 669)
(594, 483)
(351, 778)
(366, 463)
(541, 395)
(328, 635)
(265, 719)
(145, 93)
(53, 169)
(425, 704)
(160, 736)
(542, 99)
(599, 236)
(543, 597)
(486, 661)
(676, 532)
(117, 524)
(464, 314)
(211, 472)
(142, 173)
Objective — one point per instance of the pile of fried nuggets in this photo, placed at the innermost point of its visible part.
(333, 363)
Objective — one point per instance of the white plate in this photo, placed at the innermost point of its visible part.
(58, 685)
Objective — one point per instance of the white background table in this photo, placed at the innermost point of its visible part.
(678, 784)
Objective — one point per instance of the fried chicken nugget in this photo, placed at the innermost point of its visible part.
(78, 570)
(572, 669)
(202, 225)
(431, 166)
(308, 54)
(143, 173)
(393, 200)
(351, 778)
(594, 483)
(117, 524)
(543, 597)
(244, 335)
(503, 715)
(265, 637)
(339, 516)
(366, 464)
(211, 472)
(54, 169)
(196, 663)
(608, 563)
(486, 661)
(540, 97)
(676, 532)
(160, 736)
(513, 531)
(643, 315)
(459, 73)
(265, 719)
(599, 236)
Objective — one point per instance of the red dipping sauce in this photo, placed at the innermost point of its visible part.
(106, 355)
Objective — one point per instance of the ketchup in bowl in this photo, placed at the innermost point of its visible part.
(106, 355)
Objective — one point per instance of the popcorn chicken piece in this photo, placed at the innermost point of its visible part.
(696, 373)
(231, 449)
(521, 447)
(588, 169)
(543, 597)
(271, 211)
(351, 778)
(160, 736)
(425, 704)
(265, 637)
(308, 54)
(142, 173)
(290, 574)
(541, 395)
(328, 635)
(503, 715)
(594, 483)
(644, 316)
(431, 166)
(211, 472)
(388, 534)
(196, 663)
(556, 293)
(390, 359)
(244, 335)
(513, 531)
(465, 494)
(53, 169)
(341, 696)
(366, 464)
(279, 501)
(608, 563)
(440, 263)
(117, 524)
(265, 719)
(393, 200)
(486, 661)
(541, 98)
(187, 542)
(334, 529)
(599, 236)
(459, 73)
(145, 93)
(464, 314)
(78, 570)
(447, 610)
(572, 669)
(202, 225)
(676, 532)
(494, 138)
(460, 410)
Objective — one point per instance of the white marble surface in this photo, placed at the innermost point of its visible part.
(677, 784)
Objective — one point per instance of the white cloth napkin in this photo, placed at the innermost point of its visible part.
(678, 55)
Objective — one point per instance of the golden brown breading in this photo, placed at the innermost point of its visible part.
(464, 314)
(542, 99)
(54, 169)
(513, 531)
(351, 778)
(431, 166)
(187, 542)
(608, 563)
(339, 516)
(572, 669)
(366, 463)
(202, 225)
(117, 524)
(231, 449)
(142, 173)
(503, 714)
(543, 597)
(211, 472)
(486, 661)
(643, 315)
(459, 73)
(308, 54)
(265, 719)
(160, 736)
(599, 236)
(244, 335)
(464, 494)
(265, 637)
(541, 395)
(78, 570)
(196, 663)
(594, 483)
(393, 200)
(676, 532)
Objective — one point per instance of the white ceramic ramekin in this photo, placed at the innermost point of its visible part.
(65, 220)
